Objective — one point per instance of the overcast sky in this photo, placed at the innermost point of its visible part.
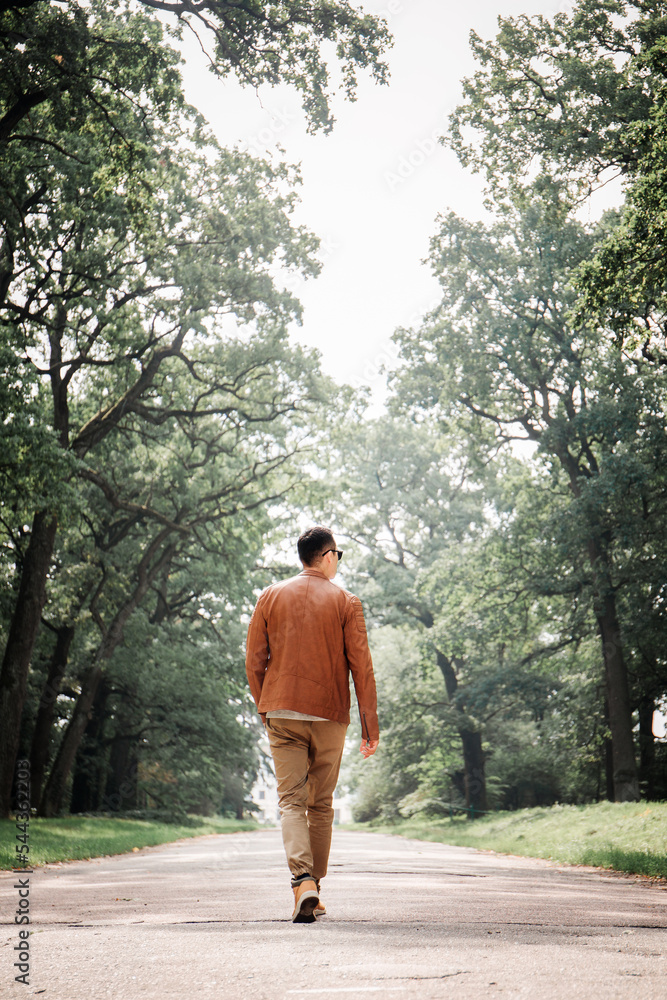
(372, 189)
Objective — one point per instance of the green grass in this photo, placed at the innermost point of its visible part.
(623, 836)
(72, 838)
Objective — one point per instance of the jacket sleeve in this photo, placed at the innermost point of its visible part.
(361, 667)
(257, 653)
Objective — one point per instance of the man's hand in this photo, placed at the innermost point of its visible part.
(368, 747)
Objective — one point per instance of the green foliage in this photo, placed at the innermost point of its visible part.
(623, 284)
(184, 756)
(152, 400)
(178, 496)
(513, 361)
(501, 351)
(418, 750)
(71, 838)
(61, 59)
(563, 105)
(283, 42)
(33, 468)
(560, 97)
(463, 555)
(626, 837)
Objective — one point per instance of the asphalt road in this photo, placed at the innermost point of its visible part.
(209, 918)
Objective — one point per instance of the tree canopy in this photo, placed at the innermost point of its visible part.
(152, 396)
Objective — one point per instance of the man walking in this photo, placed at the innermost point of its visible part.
(306, 636)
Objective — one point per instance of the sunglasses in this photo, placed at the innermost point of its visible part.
(337, 551)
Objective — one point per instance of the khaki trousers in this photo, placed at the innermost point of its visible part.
(306, 758)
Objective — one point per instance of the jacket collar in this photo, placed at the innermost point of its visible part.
(311, 571)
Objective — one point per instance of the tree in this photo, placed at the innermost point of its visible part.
(166, 518)
(500, 347)
(138, 751)
(403, 499)
(138, 254)
(53, 55)
(482, 636)
(420, 744)
(70, 74)
(514, 609)
(564, 100)
(623, 284)
(559, 107)
(570, 104)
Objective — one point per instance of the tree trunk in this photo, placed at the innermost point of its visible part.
(41, 737)
(626, 781)
(647, 747)
(31, 597)
(147, 570)
(54, 790)
(608, 757)
(90, 764)
(474, 777)
(121, 789)
(474, 774)
(20, 644)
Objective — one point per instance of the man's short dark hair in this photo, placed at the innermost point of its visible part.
(313, 543)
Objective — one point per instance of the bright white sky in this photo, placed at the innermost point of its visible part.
(373, 188)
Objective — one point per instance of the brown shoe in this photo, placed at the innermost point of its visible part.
(305, 902)
(320, 909)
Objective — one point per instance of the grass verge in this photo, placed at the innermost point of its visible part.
(72, 838)
(624, 836)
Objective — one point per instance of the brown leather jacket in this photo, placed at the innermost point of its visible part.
(306, 636)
